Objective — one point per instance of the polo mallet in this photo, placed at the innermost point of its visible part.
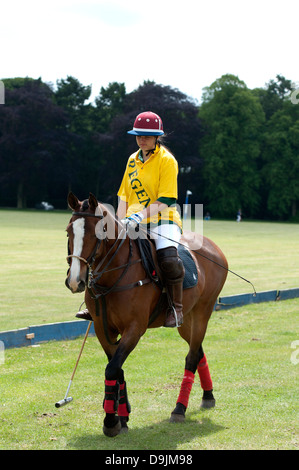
(66, 398)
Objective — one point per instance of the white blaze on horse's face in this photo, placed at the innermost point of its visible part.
(78, 230)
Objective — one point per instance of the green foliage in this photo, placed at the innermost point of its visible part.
(230, 148)
(237, 149)
(281, 162)
(32, 138)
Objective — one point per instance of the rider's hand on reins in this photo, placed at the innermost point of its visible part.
(132, 222)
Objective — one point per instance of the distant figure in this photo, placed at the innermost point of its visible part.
(239, 216)
(208, 216)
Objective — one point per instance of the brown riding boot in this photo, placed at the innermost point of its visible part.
(84, 315)
(175, 314)
(173, 272)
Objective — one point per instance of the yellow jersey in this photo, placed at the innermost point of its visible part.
(145, 182)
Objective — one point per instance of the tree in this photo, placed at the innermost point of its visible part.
(272, 97)
(281, 162)
(109, 104)
(32, 135)
(233, 120)
(71, 95)
(78, 163)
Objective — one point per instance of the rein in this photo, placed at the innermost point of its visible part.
(96, 274)
(212, 261)
(87, 214)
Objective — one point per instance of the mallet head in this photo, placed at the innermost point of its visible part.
(63, 402)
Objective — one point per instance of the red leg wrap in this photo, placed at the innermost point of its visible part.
(124, 408)
(186, 388)
(204, 374)
(111, 396)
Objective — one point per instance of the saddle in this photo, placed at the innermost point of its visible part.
(146, 247)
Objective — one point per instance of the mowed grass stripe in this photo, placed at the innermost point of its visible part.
(33, 263)
(255, 386)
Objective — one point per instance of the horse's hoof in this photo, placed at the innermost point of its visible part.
(178, 414)
(206, 404)
(124, 426)
(112, 431)
(124, 430)
(176, 418)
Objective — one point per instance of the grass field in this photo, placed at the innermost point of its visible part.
(33, 263)
(249, 350)
(255, 386)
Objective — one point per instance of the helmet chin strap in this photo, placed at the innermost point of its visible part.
(149, 152)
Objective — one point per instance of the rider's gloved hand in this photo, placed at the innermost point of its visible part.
(133, 221)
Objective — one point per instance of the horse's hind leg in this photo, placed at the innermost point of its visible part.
(208, 400)
(195, 360)
(178, 414)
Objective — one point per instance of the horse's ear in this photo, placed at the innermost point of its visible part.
(73, 201)
(93, 202)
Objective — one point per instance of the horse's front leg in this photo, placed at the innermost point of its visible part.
(112, 423)
(124, 407)
(116, 404)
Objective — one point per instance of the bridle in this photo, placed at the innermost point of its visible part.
(89, 261)
(93, 276)
(97, 291)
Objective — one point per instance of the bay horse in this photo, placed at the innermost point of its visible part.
(123, 299)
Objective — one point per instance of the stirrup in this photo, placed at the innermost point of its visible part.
(173, 316)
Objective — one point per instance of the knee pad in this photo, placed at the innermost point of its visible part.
(171, 265)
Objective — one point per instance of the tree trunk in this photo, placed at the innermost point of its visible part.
(294, 209)
(21, 200)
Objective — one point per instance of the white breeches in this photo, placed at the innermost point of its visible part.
(171, 232)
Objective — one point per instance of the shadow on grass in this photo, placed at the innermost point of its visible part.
(157, 436)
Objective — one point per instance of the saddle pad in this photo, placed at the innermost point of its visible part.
(191, 274)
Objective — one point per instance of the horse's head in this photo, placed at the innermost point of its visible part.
(84, 239)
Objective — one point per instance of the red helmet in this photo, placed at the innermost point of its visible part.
(147, 123)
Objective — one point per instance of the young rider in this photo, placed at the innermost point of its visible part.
(147, 196)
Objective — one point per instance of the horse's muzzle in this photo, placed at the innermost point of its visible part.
(75, 288)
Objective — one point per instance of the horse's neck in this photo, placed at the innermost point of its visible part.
(110, 227)
(116, 249)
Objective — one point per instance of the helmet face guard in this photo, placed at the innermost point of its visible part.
(147, 123)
